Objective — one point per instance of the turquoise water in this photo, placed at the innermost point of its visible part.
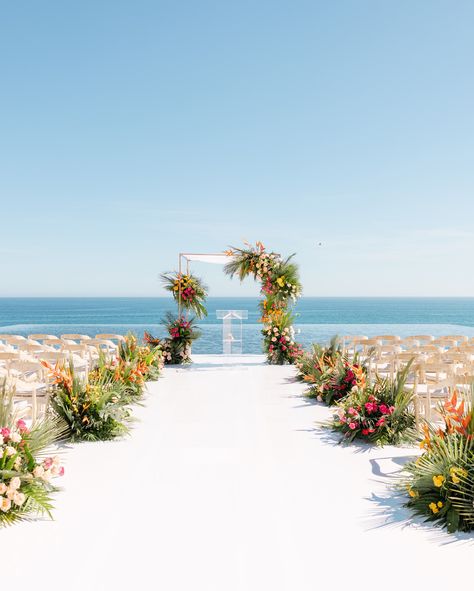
(318, 318)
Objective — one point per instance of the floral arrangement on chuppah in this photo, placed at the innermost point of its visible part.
(280, 285)
(190, 289)
(25, 473)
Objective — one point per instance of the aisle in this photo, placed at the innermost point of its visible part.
(224, 485)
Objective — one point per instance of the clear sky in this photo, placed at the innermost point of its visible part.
(131, 130)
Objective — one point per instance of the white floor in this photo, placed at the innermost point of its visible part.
(225, 484)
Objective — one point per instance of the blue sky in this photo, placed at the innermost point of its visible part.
(132, 130)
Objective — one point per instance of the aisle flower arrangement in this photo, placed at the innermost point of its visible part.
(94, 409)
(440, 483)
(190, 288)
(26, 474)
(280, 285)
(346, 377)
(317, 367)
(379, 413)
(147, 360)
(176, 349)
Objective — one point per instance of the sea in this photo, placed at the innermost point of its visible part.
(317, 318)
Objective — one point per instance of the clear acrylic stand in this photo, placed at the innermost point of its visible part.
(232, 330)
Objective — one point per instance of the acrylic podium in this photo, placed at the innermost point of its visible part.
(232, 330)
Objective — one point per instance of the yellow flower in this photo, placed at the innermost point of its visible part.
(456, 473)
(433, 508)
(414, 494)
(438, 480)
(281, 281)
(440, 504)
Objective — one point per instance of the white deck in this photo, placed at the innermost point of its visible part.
(225, 485)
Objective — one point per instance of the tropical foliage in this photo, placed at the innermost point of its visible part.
(440, 483)
(26, 472)
(176, 349)
(378, 413)
(189, 290)
(94, 409)
(329, 372)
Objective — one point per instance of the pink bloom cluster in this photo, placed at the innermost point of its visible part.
(366, 418)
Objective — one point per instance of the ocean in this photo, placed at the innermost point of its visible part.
(317, 320)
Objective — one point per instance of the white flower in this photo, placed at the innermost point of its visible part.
(274, 339)
(275, 329)
(55, 470)
(38, 472)
(5, 504)
(288, 339)
(47, 476)
(10, 493)
(1, 440)
(15, 437)
(15, 483)
(3, 488)
(19, 498)
(56, 460)
(17, 464)
(10, 451)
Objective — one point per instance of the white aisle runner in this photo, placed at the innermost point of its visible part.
(225, 485)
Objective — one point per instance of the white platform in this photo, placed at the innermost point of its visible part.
(225, 485)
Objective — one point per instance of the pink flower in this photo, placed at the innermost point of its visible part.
(5, 433)
(380, 422)
(48, 462)
(61, 471)
(21, 425)
(383, 409)
(391, 410)
(351, 411)
(352, 426)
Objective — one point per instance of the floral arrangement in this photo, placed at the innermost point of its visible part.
(279, 278)
(346, 377)
(440, 483)
(147, 360)
(279, 343)
(316, 367)
(176, 349)
(379, 413)
(94, 409)
(190, 289)
(280, 284)
(25, 476)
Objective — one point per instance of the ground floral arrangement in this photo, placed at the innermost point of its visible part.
(440, 483)
(26, 473)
